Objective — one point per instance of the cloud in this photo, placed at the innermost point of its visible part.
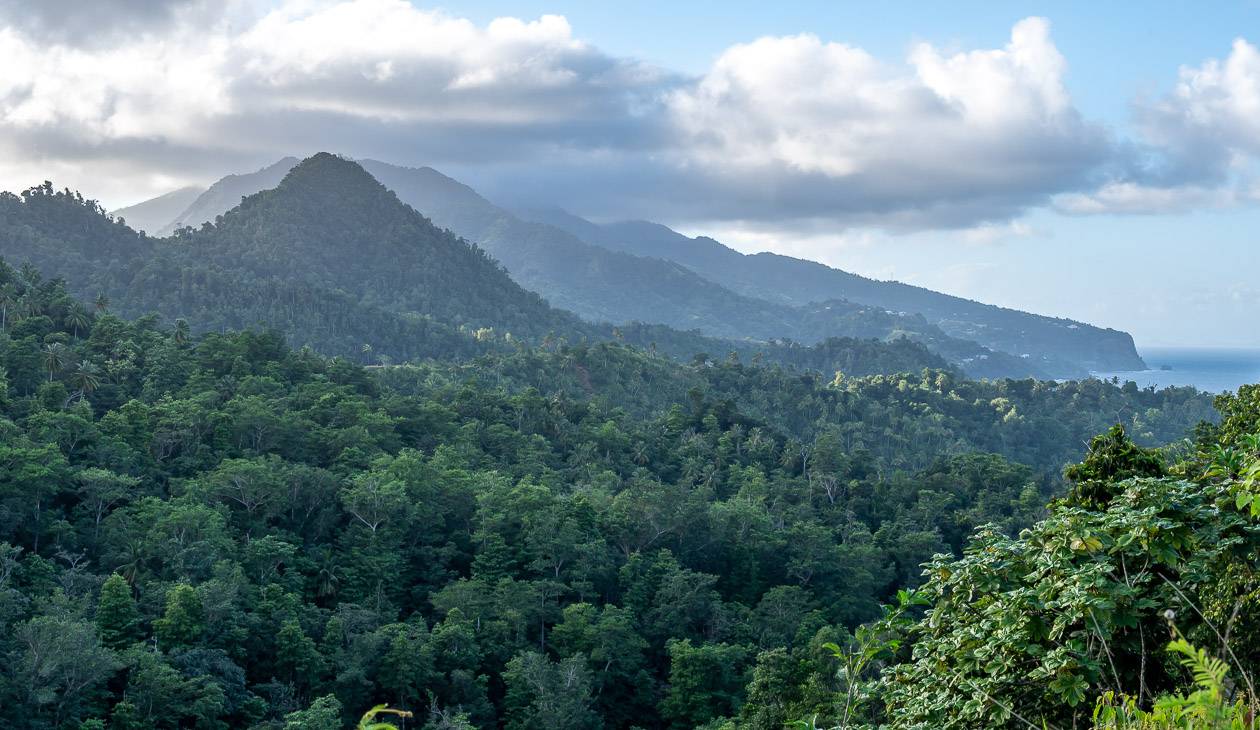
(817, 129)
(126, 99)
(246, 85)
(1196, 146)
(100, 21)
(814, 135)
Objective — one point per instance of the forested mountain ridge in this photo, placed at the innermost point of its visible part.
(333, 225)
(226, 194)
(105, 261)
(581, 272)
(603, 285)
(335, 261)
(1055, 342)
(223, 531)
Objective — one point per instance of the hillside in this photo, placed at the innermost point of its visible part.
(224, 531)
(226, 194)
(1055, 343)
(153, 216)
(603, 285)
(607, 286)
(333, 260)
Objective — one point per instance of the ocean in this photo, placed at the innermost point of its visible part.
(1214, 370)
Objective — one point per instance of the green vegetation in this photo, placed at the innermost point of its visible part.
(321, 463)
(335, 261)
(1060, 346)
(219, 530)
(641, 272)
(1133, 604)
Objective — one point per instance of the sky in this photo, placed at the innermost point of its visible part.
(1090, 160)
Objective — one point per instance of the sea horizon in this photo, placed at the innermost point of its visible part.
(1210, 369)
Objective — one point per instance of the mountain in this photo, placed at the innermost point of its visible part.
(600, 284)
(336, 261)
(1055, 342)
(331, 224)
(226, 194)
(155, 215)
(328, 256)
(595, 283)
(642, 272)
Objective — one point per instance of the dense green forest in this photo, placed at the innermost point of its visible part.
(225, 530)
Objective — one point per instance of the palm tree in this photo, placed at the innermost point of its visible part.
(102, 302)
(30, 275)
(77, 318)
(24, 307)
(181, 333)
(55, 355)
(87, 376)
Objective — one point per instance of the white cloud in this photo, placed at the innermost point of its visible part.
(941, 140)
(1130, 198)
(1198, 145)
(220, 85)
(987, 234)
(1216, 100)
(782, 133)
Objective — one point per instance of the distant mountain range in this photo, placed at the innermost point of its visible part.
(334, 260)
(799, 282)
(646, 272)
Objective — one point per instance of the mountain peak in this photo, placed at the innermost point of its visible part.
(327, 189)
(325, 171)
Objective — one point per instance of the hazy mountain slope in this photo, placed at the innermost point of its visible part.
(226, 194)
(335, 261)
(600, 284)
(604, 285)
(784, 279)
(155, 215)
(596, 283)
(331, 224)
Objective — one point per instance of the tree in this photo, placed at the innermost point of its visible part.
(183, 620)
(101, 490)
(8, 303)
(1112, 458)
(706, 682)
(117, 618)
(546, 694)
(323, 714)
(86, 377)
(56, 355)
(406, 666)
(77, 319)
(373, 499)
(1041, 624)
(297, 658)
(181, 334)
(62, 662)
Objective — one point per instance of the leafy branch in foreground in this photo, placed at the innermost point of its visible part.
(1206, 708)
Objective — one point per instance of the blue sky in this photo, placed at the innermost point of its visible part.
(1172, 280)
(1091, 160)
